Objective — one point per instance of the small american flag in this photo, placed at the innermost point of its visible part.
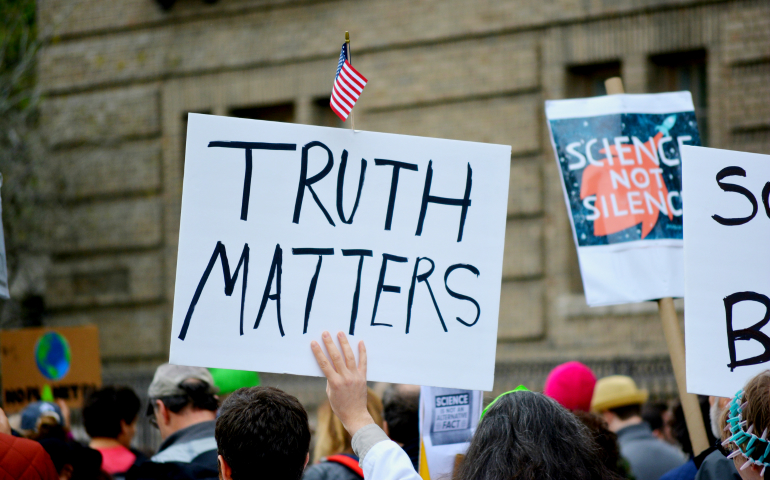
(348, 86)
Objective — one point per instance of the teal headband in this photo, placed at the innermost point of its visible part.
(520, 388)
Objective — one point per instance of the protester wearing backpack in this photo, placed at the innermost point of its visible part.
(333, 451)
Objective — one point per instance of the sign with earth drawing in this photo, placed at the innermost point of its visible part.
(619, 159)
(49, 363)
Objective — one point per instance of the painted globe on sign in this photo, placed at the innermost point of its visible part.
(52, 355)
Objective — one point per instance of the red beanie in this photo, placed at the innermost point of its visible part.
(572, 385)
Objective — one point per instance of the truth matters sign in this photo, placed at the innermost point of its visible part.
(289, 230)
(727, 308)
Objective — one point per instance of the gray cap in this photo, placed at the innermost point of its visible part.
(168, 377)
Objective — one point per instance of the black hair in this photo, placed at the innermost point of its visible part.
(401, 411)
(263, 431)
(197, 394)
(652, 413)
(528, 436)
(627, 411)
(105, 408)
(607, 441)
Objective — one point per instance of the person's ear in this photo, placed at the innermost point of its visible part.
(162, 412)
(225, 472)
(307, 458)
(385, 428)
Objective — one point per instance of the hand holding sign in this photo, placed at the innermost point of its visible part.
(345, 381)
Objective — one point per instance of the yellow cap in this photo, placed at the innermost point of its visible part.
(617, 391)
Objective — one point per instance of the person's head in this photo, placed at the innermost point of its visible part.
(679, 425)
(716, 407)
(572, 385)
(331, 436)
(528, 436)
(262, 432)
(619, 401)
(401, 413)
(609, 451)
(748, 416)
(658, 416)
(111, 412)
(72, 460)
(42, 420)
(181, 396)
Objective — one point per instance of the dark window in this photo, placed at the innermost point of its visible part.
(588, 80)
(283, 112)
(674, 72)
(323, 116)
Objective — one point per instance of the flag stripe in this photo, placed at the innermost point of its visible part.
(351, 86)
(361, 79)
(345, 88)
(342, 98)
(343, 116)
(349, 76)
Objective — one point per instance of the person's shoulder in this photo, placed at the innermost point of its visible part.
(329, 471)
(21, 453)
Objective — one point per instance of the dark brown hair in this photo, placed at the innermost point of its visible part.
(263, 432)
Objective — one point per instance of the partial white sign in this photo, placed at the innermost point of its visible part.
(620, 168)
(395, 240)
(727, 287)
(448, 420)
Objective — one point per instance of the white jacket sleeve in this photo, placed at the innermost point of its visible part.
(380, 457)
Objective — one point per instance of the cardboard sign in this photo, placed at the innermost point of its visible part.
(66, 359)
(621, 173)
(395, 240)
(448, 419)
(727, 261)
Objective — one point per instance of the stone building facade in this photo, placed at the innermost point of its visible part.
(119, 78)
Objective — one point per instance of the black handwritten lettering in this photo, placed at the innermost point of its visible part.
(275, 272)
(423, 277)
(221, 252)
(354, 310)
(729, 187)
(305, 182)
(465, 202)
(397, 166)
(381, 287)
(341, 183)
(249, 146)
(461, 296)
(751, 333)
(314, 281)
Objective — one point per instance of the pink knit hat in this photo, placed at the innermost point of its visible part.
(572, 385)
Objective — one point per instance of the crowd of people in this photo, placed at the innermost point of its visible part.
(578, 428)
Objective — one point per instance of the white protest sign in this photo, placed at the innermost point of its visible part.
(395, 240)
(727, 286)
(620, 170)
(448, 419)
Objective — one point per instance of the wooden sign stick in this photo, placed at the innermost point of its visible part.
(675, 342)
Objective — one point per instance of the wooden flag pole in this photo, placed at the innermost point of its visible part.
(350, 59)
(675, 342)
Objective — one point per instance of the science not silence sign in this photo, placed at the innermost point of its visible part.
(727, 227)
(619, 157)
(289, 230)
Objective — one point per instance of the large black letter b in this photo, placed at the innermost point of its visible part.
(751, 333)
